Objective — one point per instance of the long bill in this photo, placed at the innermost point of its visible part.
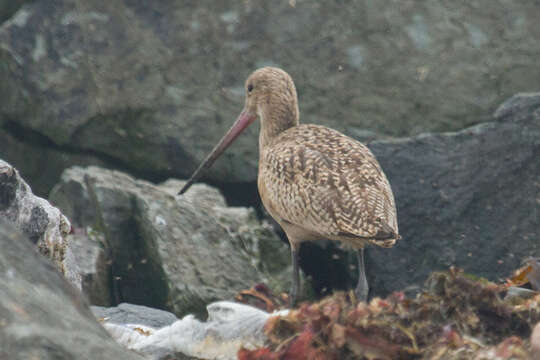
(242, 122)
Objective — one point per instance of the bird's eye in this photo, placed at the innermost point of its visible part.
(250, 88)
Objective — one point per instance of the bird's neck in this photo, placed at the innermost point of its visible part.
(275, 120)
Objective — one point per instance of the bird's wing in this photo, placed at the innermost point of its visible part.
(324, 181)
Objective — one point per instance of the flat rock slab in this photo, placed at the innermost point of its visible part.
(126, 313)
(42, 316)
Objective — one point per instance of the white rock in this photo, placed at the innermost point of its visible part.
(229, 327)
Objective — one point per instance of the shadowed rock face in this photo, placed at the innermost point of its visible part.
(44, 317)
(150, 86)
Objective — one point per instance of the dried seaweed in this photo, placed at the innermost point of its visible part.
(456, 317)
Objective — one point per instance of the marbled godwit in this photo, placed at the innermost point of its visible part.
(314, 181)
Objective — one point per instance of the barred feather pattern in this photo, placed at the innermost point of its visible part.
(328, 184)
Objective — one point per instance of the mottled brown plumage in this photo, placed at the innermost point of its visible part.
(328, 184)
(314, 181)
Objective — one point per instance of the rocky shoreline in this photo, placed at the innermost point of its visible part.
(106, 106)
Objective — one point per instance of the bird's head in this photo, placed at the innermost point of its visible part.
(270, 96)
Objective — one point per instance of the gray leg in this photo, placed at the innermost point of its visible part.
(296, 277)
(362, 288)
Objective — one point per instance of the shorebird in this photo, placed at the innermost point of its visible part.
(314, 181)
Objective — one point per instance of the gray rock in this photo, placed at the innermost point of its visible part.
(134, 314)
(151, 86)
(42, 315)
(42, 223)
(469, 199)
(518, 108)
(169, 252)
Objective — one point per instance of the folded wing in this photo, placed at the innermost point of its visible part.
(328, 183)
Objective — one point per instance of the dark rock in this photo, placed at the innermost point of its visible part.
(151, 86)
(134, 314)
(469, 199)
(43, 316)
(44, 224)
(169, 252)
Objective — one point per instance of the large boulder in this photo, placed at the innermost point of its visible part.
(469, 199)
(42, 315)
(165, 251)
(151, 86)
